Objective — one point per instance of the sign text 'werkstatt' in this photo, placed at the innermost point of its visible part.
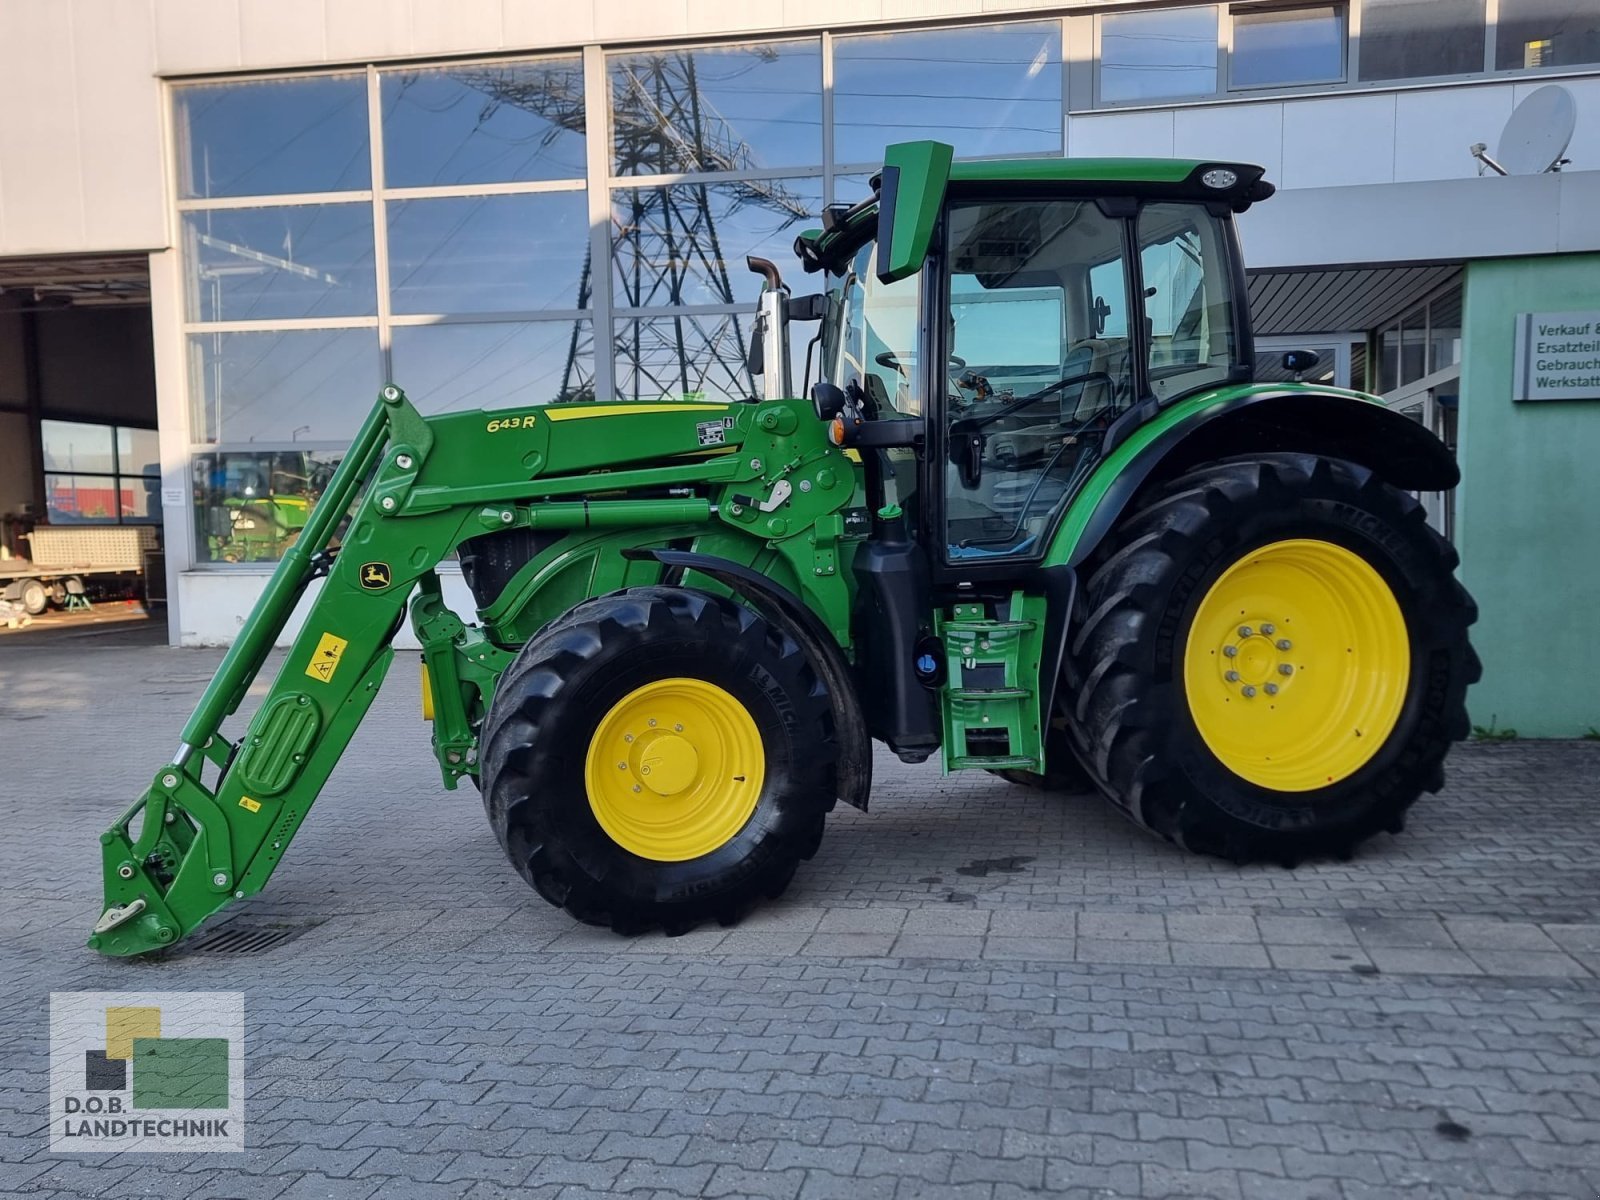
(1557, 357)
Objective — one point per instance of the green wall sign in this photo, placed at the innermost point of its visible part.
(1557, 356)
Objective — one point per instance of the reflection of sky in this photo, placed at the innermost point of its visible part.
(760, 106)
(1148, 55)
(260, 264)
(487, 253)
(275, 136)
(310, 385)
(498, 123)
(986, 91)
(1286, 47)
(446, 368)
(761, 218)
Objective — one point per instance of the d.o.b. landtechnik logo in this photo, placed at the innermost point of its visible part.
(146, 1071)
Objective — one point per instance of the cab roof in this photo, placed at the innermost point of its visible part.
(845, 229)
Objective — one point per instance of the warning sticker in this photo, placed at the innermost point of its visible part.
(711, 433)
(325, 658)
(249, 805)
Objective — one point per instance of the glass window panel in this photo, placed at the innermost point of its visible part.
(1444, 332)
(266, 264)
(138, 451)
(1389, 359)
(76, 446)
(250, 505)
(1413, 347)
(1547, 33)
(291, 385)
(1156, 55)
(140, 497)
(699, 357)
(80, 499)
(1413, 39)
(1287, 46)
(1188, 308)
(276, 136)
(1033, 378)
(717, 108)
(494, 364)
(687, 244)
(488, 253)
(488, 123)
(896, 87)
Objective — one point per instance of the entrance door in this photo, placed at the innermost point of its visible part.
(1432, 402)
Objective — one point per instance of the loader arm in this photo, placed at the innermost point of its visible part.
(219, 816)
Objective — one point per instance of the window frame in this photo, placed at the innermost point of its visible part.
(1084, 32)
(116, 475)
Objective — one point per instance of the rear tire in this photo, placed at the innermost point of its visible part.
(1191, 757)
(577, 703)
(34, 597)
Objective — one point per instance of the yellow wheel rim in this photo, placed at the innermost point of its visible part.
(1296, 665)
(674, 770)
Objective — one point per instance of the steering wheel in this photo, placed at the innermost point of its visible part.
(906, 363)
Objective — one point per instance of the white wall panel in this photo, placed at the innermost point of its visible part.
(197, 35)
(457, 26)
(1244, 132)
(120, 114)
(357, 30)
(282, 32)
(1433, 130)
(1338, 142)
(537, 23)
(733, 16)
(627, 20)
(40, 178)
(1120, 135)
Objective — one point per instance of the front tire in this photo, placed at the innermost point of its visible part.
(658, 758)
(1272, 659)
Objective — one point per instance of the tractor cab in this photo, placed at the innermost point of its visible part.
(1018, 328)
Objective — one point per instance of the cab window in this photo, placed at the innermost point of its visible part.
(1038, 366)
(1188, 306)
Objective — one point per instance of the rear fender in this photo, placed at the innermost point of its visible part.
(1257, 420)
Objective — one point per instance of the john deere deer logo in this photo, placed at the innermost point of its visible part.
(374, 575)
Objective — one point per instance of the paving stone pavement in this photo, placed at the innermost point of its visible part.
(975, 991)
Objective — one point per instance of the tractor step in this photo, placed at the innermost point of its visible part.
(989, 704)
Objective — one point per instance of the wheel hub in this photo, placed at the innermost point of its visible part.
(674, 769)
(1297, 665)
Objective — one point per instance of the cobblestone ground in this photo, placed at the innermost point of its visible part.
(976, 991)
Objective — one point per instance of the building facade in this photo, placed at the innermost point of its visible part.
(223, 223)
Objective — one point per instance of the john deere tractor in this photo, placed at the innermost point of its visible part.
(1032, 517)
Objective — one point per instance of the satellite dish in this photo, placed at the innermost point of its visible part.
(1536, 136)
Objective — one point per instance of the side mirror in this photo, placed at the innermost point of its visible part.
(828, 399)
(1298, 362)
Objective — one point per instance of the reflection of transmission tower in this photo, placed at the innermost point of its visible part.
(664, 240)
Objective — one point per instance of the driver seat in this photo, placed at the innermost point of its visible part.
(1091, 354)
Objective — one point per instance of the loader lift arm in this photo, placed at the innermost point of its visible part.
(398, 504)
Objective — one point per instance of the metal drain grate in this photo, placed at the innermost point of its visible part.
(245, 939)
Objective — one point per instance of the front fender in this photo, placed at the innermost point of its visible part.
(1259, 419)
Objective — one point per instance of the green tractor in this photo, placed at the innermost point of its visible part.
(1034, 518)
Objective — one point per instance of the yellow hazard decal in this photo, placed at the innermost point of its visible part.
(249, 805)
(325, 658)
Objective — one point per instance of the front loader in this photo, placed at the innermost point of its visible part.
(1035, 518)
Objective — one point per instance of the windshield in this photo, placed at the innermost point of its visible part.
(870, 338)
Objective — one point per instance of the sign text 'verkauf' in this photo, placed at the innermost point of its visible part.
(1557, 356)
